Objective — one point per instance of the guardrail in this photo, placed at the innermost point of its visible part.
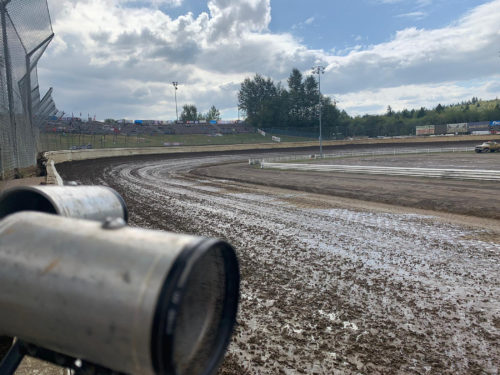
(340, 154)
(458, 174)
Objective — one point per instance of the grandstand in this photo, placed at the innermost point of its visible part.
(76, 126)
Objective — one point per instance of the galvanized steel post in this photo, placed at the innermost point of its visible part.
(319, 70)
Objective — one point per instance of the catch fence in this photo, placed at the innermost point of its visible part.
(26, 31)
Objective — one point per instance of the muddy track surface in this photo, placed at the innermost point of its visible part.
(473, 198)
(328, 288)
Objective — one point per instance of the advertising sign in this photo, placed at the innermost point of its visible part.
(425, 130)
(457, 128)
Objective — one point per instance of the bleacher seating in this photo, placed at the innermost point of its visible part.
(96, 127)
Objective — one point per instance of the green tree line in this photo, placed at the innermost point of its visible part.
(296, 108)
(190, 113)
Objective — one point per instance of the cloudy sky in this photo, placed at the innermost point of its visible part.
(117, 58)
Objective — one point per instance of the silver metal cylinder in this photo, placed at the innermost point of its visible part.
(132, 300)
(86, 202)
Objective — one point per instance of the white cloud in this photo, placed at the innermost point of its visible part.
(301, 25)
(419, 3)
(424, 3)
(461, 51)
(309, 21)
(120, 61)
(418, 15)
(416, 96)
(154, 3)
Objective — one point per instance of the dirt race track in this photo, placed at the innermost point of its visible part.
(330, 285)
(476, 198)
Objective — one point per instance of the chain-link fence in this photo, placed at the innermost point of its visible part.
(25, 34)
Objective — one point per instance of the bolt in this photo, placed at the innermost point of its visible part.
(113, 223)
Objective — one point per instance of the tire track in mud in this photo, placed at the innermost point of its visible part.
(327, 289)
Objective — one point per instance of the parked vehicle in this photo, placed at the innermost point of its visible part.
(489, 146)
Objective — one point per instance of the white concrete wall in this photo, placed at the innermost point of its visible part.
(53, 177)
(73, 155)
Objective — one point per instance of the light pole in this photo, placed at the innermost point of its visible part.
(175, 93)
(319, 70)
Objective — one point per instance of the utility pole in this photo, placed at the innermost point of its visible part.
(175, 93)
(319, 70)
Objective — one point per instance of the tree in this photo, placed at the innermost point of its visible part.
(421, 112)
(295, 84)
(189, 113)
(309, 100)
(296, 108)
(331, 117)
(406, 114)
(212, 114)
(296, 98)
(258, 98)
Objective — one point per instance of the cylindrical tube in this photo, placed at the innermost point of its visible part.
(132, 300)
(85, 202)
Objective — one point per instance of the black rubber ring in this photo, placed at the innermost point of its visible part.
(162, 338)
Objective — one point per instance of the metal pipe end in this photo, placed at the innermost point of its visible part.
(25, 198)
(86, 202)
(196, 310)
